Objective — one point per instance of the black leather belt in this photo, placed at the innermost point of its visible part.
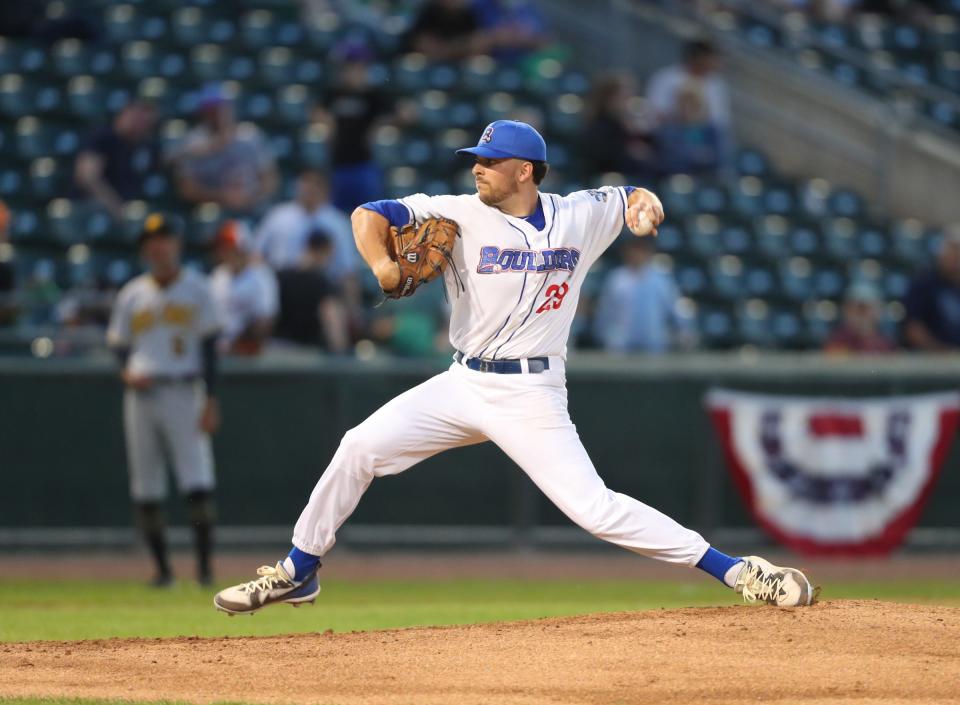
(535, 365)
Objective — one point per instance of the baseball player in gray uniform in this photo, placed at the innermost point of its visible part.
(163, 330)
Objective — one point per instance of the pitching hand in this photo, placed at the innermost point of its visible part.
(644, 213)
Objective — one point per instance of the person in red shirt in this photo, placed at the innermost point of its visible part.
(859, 332)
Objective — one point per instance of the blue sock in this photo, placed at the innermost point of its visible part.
(718, 565)
(300, 563)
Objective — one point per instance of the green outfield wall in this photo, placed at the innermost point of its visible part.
(643, 422)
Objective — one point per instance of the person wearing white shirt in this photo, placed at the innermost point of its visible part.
(244, 290)
(282, 236)
(701, 65)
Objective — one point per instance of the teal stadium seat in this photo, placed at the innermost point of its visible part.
(753, 323)
(727, 277)
(315, 146)
(120, 23)
(841, 242)
(820, 318)
(208, 62)
(16, 97)
(703, 232)
(771, 233)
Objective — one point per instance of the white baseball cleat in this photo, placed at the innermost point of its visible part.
(274, 586)
(762, 581)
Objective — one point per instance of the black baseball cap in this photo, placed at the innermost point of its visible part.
(160, 225)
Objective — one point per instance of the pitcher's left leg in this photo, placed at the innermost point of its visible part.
(545, 444)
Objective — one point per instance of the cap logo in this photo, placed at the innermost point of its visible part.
(487, 135)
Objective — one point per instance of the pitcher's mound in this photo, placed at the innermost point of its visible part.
(850, 651)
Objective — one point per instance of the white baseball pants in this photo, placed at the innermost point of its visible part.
(165, 422)
(526, 416)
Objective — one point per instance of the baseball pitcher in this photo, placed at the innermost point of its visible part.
(513, 260)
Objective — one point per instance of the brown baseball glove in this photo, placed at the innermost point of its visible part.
(421, 252)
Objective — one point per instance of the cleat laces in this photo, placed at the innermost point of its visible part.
(269, 579)
(758, 586)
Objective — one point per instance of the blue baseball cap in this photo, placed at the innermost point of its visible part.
(506, 139)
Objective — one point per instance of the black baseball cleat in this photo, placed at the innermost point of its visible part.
(274, 586)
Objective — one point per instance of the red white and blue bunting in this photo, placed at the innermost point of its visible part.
(835, 476)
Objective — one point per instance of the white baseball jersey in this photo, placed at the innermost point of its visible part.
(163, 326)
(244, 298)
(522, 284)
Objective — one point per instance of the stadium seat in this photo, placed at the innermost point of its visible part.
(841, 241)
(678, 194)
(46, 181)
(258, 28)
(747, 198)
(788, 332)
(804, 240)
(910, 242)
(691, 279)
(753, 323)
(208, 63)
(476, 74)
(16, 98)
(759, 281)
(497, 106)
(565, 115)
(86, 98)
(820, 318)
(670, 239)
(410, 73)
(315, 145)
(202, 224)
(703, 235)
(293, 104)
(727, 277)
(433, 106)
(716, 327)
(796, 278)
(771, 232)
(140, 59)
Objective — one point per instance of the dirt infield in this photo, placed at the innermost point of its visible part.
(851, 651)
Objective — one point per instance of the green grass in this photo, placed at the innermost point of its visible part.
(32, 610)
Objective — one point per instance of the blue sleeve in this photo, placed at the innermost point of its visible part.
(629, 189)
(394, 211)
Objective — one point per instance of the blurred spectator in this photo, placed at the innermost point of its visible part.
(110, 169)
(244, 291)
(283, 233)
(692, 102)
(31, 20)
(637, 308)
(513, 27)
(933, 302)
(619, 140)
(223, 162)
(310, 313)
(689, 143)
(448, 30)
(859, 332)
(8, 278)
(353, 110)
